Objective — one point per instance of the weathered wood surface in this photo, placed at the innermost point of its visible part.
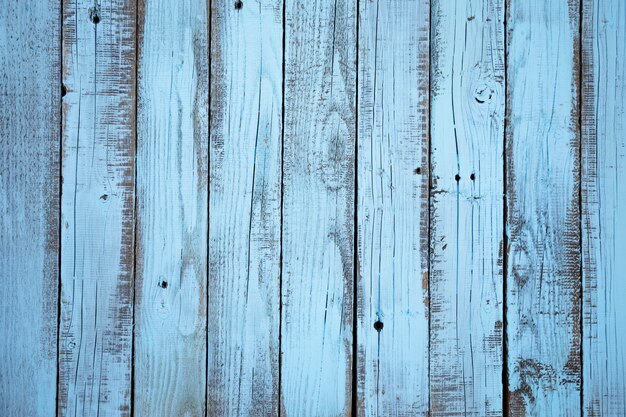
(30, 130)
(172, 192)
(245, 197)
(543, 225)
(393, 208)
(345, 208)
(604, 207)
(97, 205)
(467, 138)
(318, 208)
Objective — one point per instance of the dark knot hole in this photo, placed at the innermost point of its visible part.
(378, 325)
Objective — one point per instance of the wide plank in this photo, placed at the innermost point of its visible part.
(244, 207)
(393, 173)
(30, 130)
(318, 208)
(604, 206)
(543, 280)
(97, 208)
(466, 233)
(172, 213)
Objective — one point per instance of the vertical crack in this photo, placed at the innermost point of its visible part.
(505, 239)
(355, 263)
(282, 181)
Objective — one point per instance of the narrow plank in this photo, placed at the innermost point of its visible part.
(466, 284)
(543, 224)
(172, 197)
(318, 208)
(97, 207)
(393, 208)
(604, 207)
(244, 207)
(30, 99)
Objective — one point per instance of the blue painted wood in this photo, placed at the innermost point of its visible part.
(392, 208)
(543, 214)
(97, 208)
(30, 112)
(466, 239)
(604, 207)
(250, 275)
(245, 198)
(172, 187)
(318, 208)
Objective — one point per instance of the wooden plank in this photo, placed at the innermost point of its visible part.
(97, 207)
(318, 208)
(393, 208)
(30, 103)
(604, 206)
(543, 223)
(466, 284)
(172, 222)
(244, 207)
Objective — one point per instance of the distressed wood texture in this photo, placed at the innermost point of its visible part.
(543, 224)
(30, 111)
(466, 282)
(97, 205)
(172, 192)
(604, 206)
(318, 208)
(393, 208)
(245, 192)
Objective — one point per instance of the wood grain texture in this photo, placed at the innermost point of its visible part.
(604, 206)
(30, 111)
(245, 192)
(543, 223)
(318, 208)
(172, 212)
(97, 205)
(466, 283)
(393, 208)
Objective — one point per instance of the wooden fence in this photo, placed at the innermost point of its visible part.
(312, 208)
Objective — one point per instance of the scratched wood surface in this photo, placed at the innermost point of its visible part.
(30, 131)
(392, 208)
(543, 258)
(467, 138)
(286, 208)
(318, 208)
(604, 207)
(172, 189)
(97, 201)
(245, 197)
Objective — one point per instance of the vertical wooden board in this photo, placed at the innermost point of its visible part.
(172, 222)
(604, 206)
(30, 103)
(97, 207)
(318, 208)
(543, 224)
(466, 284)
(393, 208)
(244, 207)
